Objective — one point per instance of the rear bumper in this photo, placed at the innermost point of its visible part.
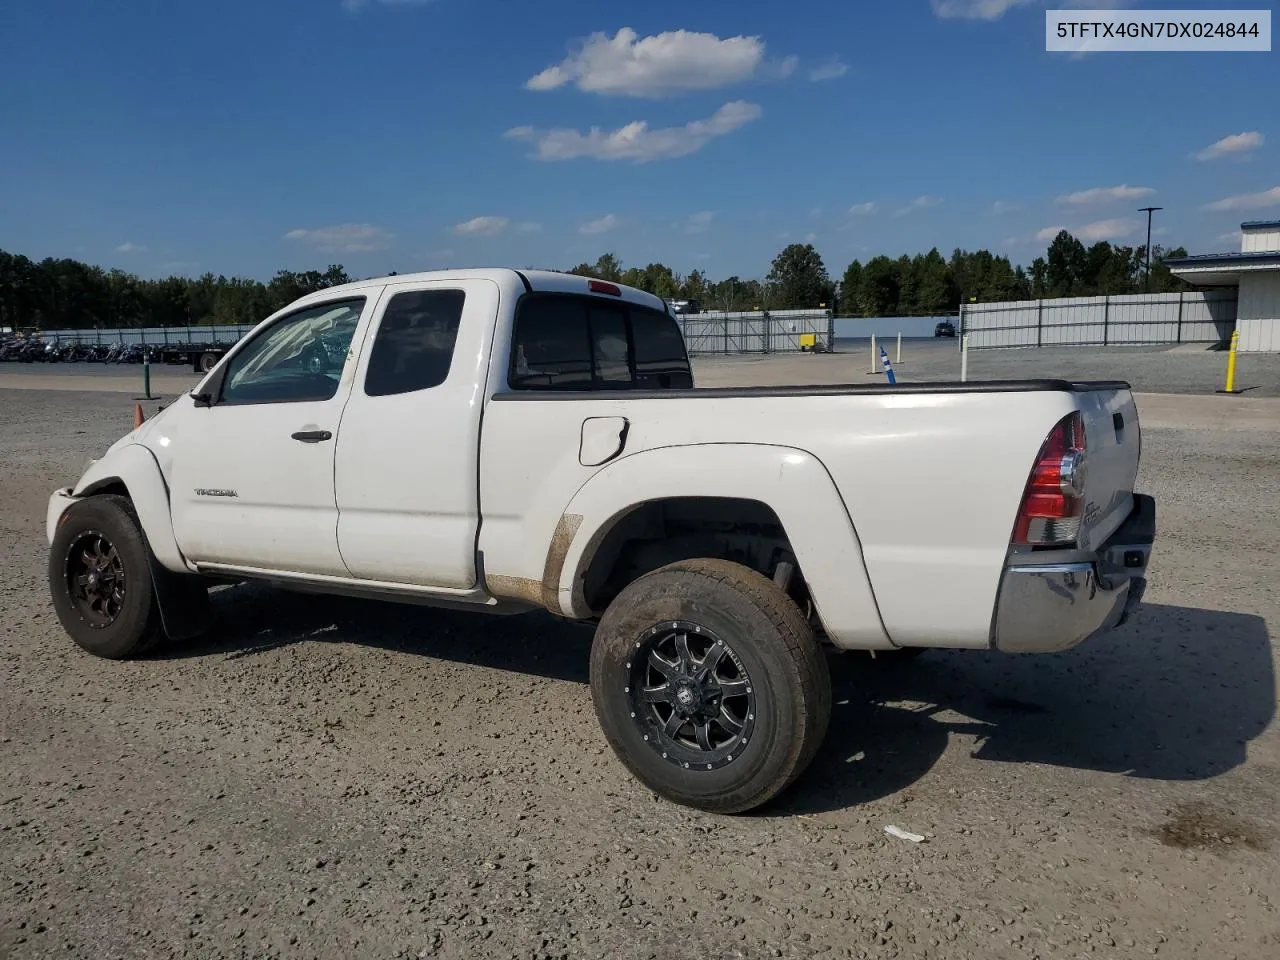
(1045, 608)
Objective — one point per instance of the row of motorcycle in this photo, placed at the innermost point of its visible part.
(39, 351)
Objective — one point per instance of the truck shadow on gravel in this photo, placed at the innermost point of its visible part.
(1175, 695)
(253, 620)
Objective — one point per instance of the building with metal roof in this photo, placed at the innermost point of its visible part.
(1254, 272)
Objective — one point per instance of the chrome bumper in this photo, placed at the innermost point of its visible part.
(1044, 608)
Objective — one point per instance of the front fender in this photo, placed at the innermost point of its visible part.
(134, 466)
(792, 482)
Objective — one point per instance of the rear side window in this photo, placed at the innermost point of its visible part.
(660, 356)
(567, 342)
(552, 347)
(413, 348)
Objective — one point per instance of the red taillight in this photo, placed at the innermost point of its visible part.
(600, 286)
(1054, 499)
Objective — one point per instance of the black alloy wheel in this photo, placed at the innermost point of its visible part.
(691, 696)
(95, 579)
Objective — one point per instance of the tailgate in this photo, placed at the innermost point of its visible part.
(1113, 442)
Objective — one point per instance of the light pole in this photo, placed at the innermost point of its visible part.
(1146, 284)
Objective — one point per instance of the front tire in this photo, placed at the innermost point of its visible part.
(100, 579)
(709, 685)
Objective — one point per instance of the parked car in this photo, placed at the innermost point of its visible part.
(509, 441)
(944, 328)
(685, 306)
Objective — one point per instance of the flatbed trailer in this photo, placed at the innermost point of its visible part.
(201, 356)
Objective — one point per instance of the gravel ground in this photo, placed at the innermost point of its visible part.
(330, 777)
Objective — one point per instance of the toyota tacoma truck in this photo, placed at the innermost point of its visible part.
(508, 441)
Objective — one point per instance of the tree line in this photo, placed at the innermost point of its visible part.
(67, 294)
(926, 284)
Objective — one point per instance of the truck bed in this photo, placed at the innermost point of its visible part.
(930, 476)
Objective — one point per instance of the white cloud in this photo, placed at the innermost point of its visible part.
(699, 222)
(636, 141)
(830, 71)
(995, 9)
(1106, 230)
(662, 65)
(343, 238)
(1093, 232)
(780, 69)
(864, 209)
(919, 203)
(1096, 195)
(596, 227)
(1001, 207)
(974, 9)
(481, 227)
(1237, 143)
(810, 238)
(130, 247)
(355, 6)
(1248, 201)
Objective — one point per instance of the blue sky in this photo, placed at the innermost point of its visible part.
(241, 137)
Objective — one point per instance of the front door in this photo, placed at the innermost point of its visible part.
(408, 452)
(253, 471)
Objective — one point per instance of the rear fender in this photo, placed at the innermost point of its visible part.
(793, 483)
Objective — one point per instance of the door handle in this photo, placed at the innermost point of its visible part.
(312, 436)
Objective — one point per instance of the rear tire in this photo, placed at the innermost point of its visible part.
(709, 685)
(100, 579)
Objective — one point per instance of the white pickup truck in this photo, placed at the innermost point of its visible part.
(507, 440)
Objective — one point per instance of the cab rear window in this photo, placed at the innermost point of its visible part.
(568, 342)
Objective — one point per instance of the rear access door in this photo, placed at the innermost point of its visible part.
(409, 443)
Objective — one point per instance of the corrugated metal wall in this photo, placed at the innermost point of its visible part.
(1133, 320)
(1259, 323)
(1260, 241)
(754, 332)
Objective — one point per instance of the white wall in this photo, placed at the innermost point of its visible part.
(1260, 241)
(1258, 313)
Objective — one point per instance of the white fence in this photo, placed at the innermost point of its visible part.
(156, 336)
(1129, 320)
(759, 331)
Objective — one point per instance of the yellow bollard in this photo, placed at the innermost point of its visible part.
(1231, 365)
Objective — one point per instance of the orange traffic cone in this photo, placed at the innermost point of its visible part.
(138, 416)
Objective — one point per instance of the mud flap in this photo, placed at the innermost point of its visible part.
(183, 599)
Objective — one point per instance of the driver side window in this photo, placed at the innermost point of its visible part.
(298, 358)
